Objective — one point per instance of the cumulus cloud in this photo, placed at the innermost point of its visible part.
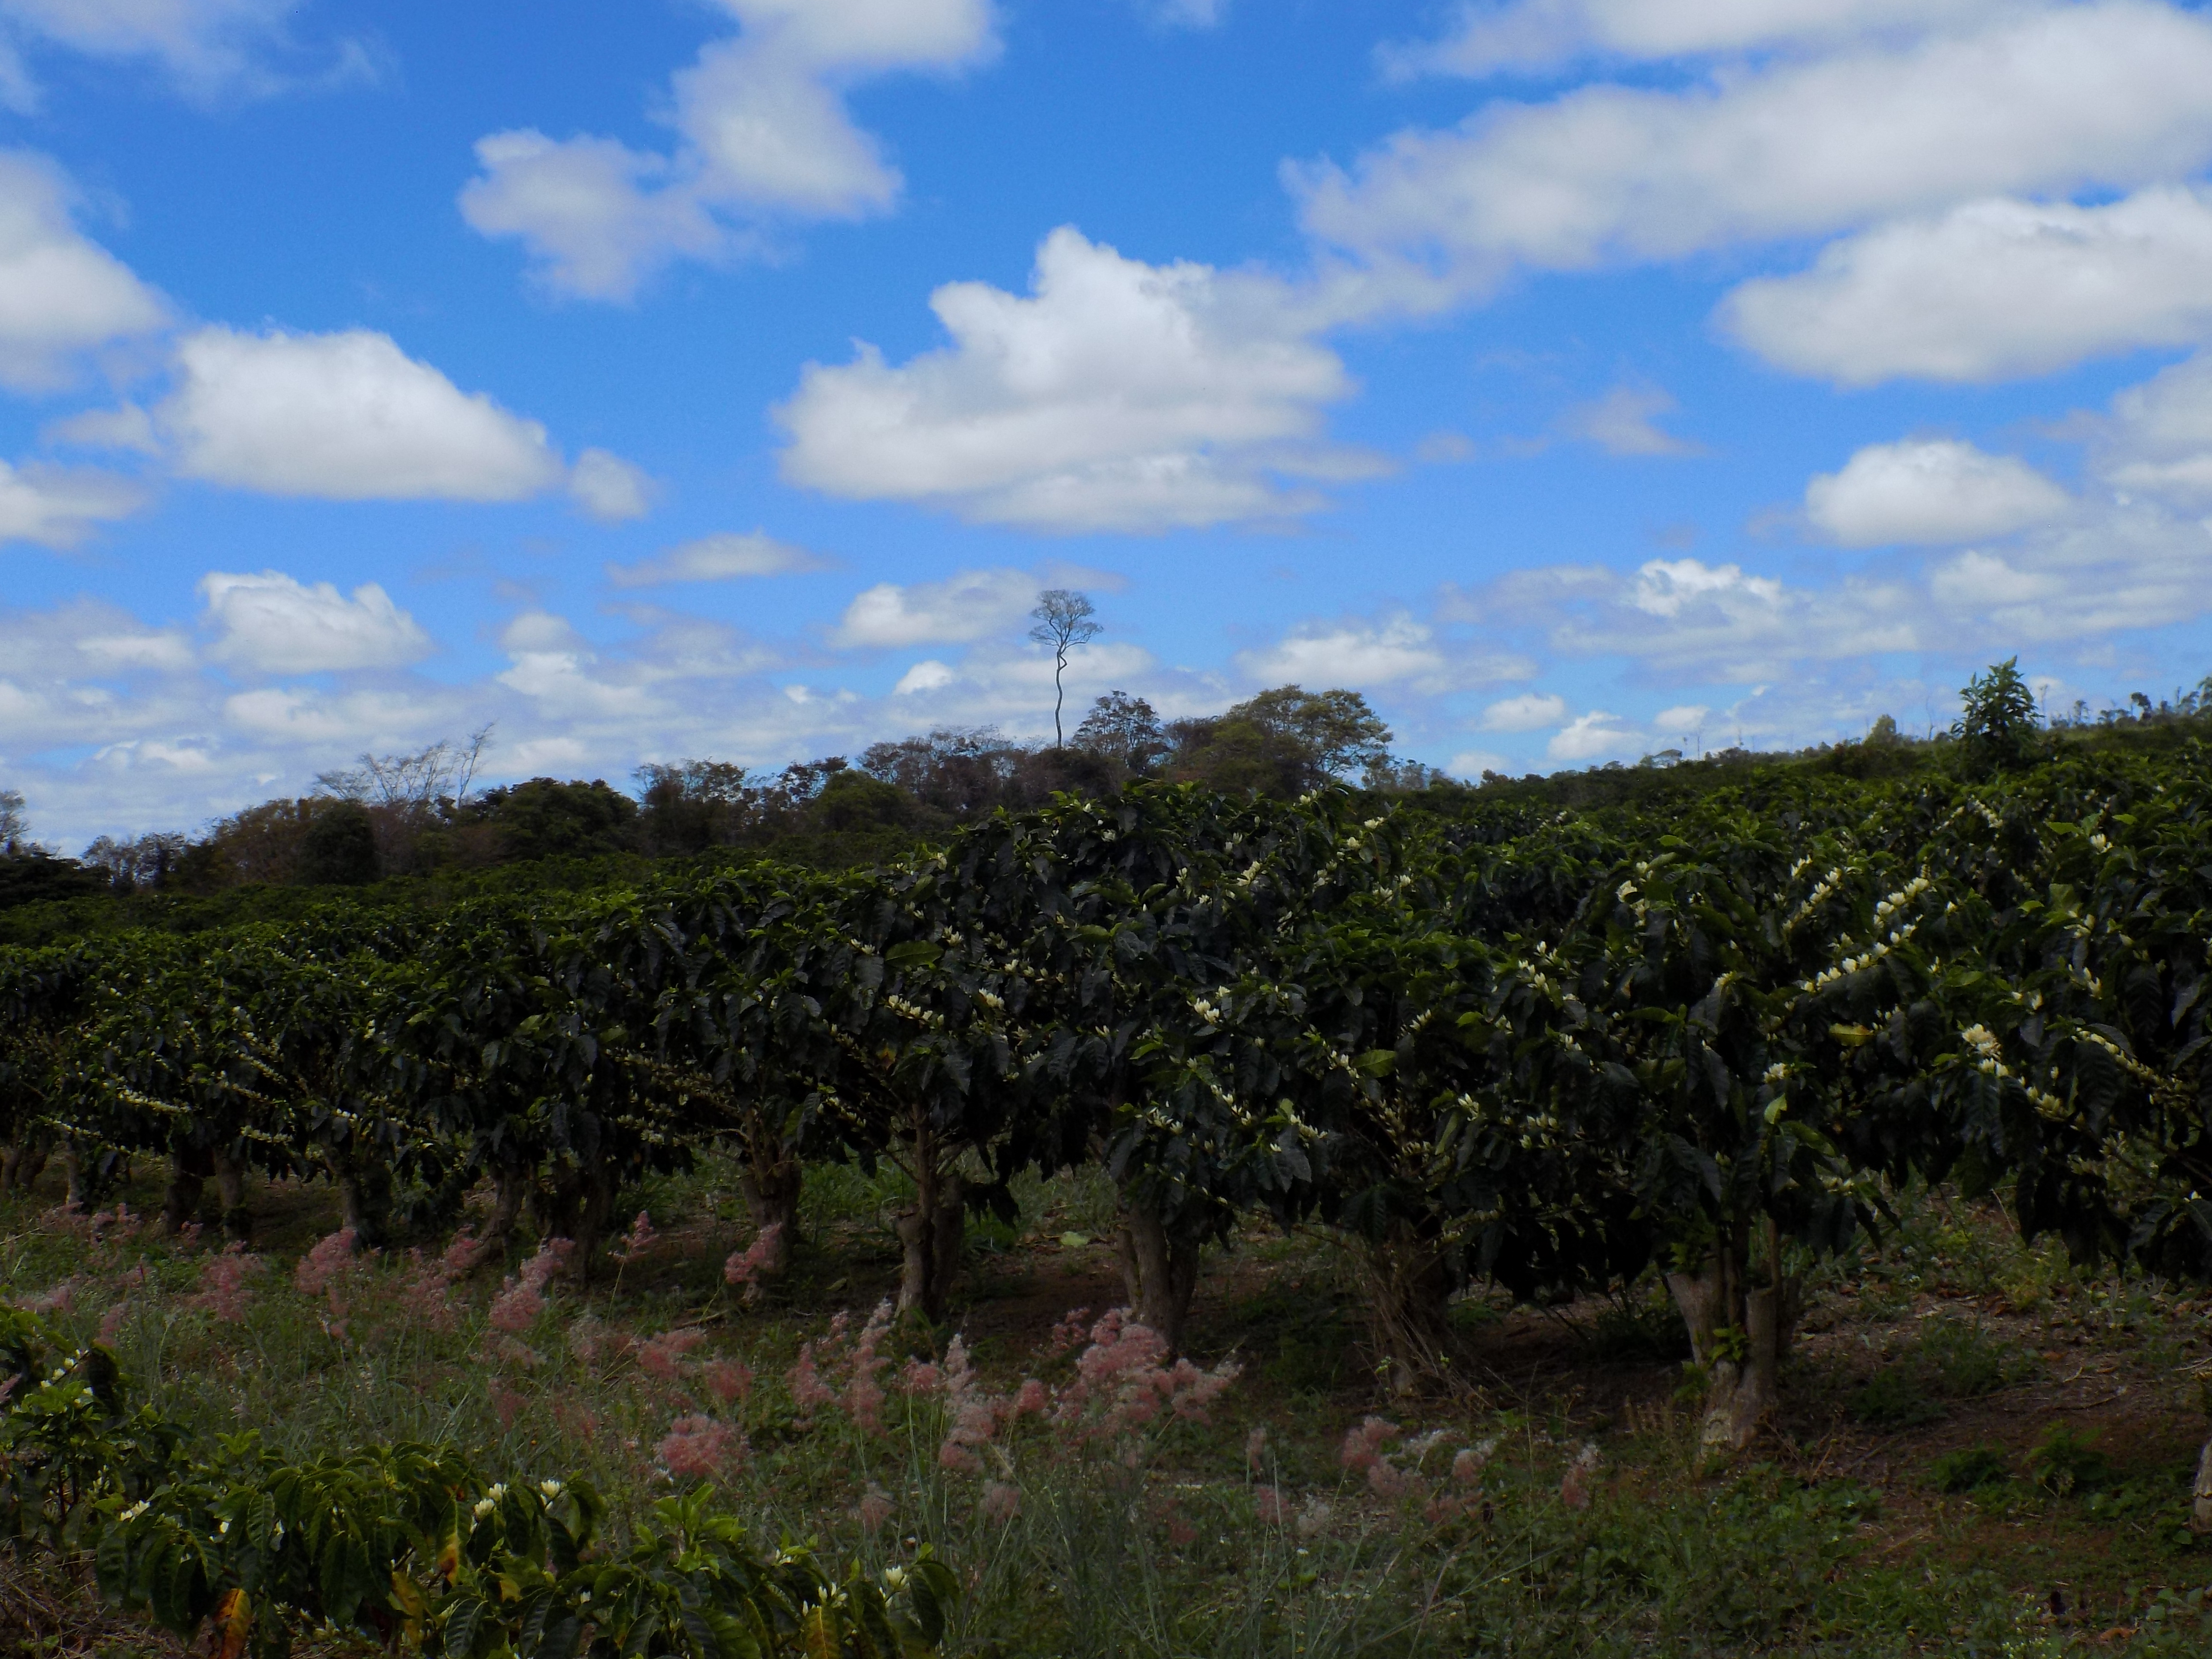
(1354, 655)
(2106, 94)
(128, 427)
(1532, 711)
(131, 648)
(1929, 492)
(1487, 39)
(608, 488)
(1990, 290)
(207, 48)
(927, 675)
(763, 136)
(1188, 14)
(1397, 651)
(552, 664)
(276, 624)
(1595, 736)
(1667, 587)
(1471, 764)
(1118, 396)
(57, 507)
(2062, 573)
(1625, 421)
(972, 605)
(61, 295)
(344, 416)
(716, 559)
(2157, 442)
(1686, 619)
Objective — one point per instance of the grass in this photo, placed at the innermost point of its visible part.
(1983, 1451)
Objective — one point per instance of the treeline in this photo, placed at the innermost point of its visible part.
(415, 819)
(410, 816)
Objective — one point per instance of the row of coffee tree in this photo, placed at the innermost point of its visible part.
(1548, 1050)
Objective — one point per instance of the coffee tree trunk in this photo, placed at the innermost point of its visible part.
(365, 1197)
(510, 1186)
(1741, 1321)
(2201, 1521)
(576, 1205)
(188, 1169)
(771, 1186)
(1410, 1284)
(1159, 1269)
(932, 1232)
(24, 1161)
(230, 1190)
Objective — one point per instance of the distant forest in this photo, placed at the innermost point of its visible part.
(417, 822)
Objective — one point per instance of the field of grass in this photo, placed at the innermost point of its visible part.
(1984, 1452)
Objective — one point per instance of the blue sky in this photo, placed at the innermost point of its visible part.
(724, 378)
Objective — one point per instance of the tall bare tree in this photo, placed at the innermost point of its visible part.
(412, 784)
(1063, 622)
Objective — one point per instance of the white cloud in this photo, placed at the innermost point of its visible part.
(206, 47)
(1532, 711)
(61, 295)
(1929, 492)
(928, 675)
(343, 416)
(1486, 38)
(129, 427)
(1595, 736)
(2107, 94)
(59, 507)
(1686, 619)
(1188, 14)
(1990, 290)
(1398, 651)
(1119, 396)
(305, 715)
(608, 488)
(971, 605)
(763, 135)
(1667, 588)
(137, 649)
(1471, 764)
(716, 559)
(278, 625)
(1624, 422)
(552, 666)
(2099, 570)
(1353, 654)
(2158, 439)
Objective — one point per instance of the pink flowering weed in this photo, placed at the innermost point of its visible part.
(728, 1380)
(698, 1448)
(637, 1241)
(663, 1356)
(522, 1298)
(224, 1281)
(323, 1266)
(746, 1265)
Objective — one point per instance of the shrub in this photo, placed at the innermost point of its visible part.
(1895, 1398)
(1968, 1470)
(2066, 1460)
